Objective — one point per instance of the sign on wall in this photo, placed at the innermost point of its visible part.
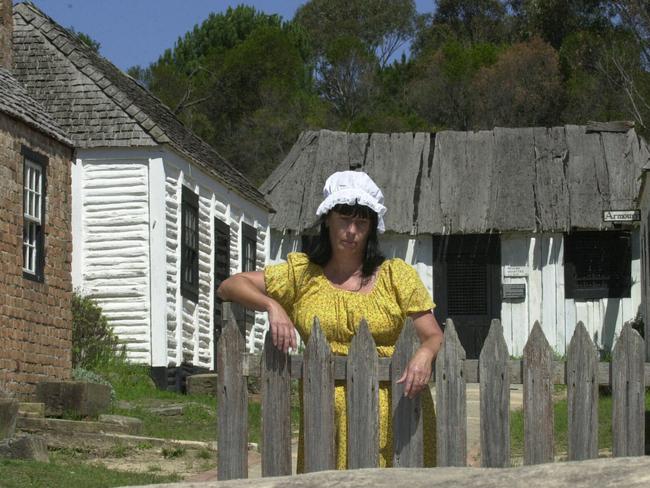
(621, 215)
(513, 271)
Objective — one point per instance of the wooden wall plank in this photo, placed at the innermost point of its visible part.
(628, 394)
(582, 396)
(494, 374)
(318, 403)
(363, 401)
(406, 412)
(276, 411)
(538, 403)
(451, 417)
(232, 398)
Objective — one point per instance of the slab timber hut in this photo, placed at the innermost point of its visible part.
(520, 224)
(159, 218)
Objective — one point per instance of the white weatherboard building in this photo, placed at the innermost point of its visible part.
(507, 223)
(159, 217)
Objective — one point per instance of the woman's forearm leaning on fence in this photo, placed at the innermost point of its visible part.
(248, 289)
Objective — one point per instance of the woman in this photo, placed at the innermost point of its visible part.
(342, 280)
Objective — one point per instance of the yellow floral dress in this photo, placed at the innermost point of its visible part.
(304, 292)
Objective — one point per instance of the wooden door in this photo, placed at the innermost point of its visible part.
(467, 279)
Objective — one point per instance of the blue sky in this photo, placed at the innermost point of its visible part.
(137, 31)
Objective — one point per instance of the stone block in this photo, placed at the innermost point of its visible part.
(131, 425)
(31, 409)
(74, 397)
(202, 384)
(8, 414)
(30, 447)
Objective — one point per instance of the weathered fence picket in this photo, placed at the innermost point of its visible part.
(406, 413)
(318, 402)
(494, 375)
(628, 394)
(582, 395)
(363, 401)
(363, 371)
(232, 399)
(276, 411)
(451, 419)
(538, 399)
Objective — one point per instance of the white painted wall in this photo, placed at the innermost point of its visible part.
(543, 257)
(190, 325)
(111, 241)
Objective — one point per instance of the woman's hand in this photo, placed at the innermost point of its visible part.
(282, 330)
(417, 373)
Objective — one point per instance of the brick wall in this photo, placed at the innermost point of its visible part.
(35, 318)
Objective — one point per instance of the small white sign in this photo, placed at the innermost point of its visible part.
(511, 271)
(621, 215)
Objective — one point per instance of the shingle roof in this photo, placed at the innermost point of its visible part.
(16, 102)
(524, 179)
(101, 106)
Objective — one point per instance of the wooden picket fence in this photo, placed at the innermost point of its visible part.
(362, 369)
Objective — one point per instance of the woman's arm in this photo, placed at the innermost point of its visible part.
(417, 373)
(249, 290)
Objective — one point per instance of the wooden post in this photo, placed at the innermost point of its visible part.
(232, 402)
(406, 413)
(276, 411)
(451, 417)
(363, 401)
(494, 377)
(628, 392)
(582, 395)
(538, 400)
(318, 402)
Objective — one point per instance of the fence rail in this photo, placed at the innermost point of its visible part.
(363, 370)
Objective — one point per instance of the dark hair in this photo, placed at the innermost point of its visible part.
(321, 251)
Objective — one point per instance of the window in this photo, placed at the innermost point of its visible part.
(190, 245)
(221, 272)
(249, 259)
(597, 265)
(34, 185)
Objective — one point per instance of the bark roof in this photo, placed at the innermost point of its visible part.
(521, 179)
(101, 106)
(16, 102)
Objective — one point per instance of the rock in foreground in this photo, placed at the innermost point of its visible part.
(617, 472)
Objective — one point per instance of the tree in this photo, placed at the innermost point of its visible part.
(381, 26)
(441, 93)
(523, 88)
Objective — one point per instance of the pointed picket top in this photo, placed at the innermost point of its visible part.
(628, 398)
(363, 400)
(406, 412)
(494, 375)
(451, 419)
(318, 402)
(582, 395)
(538, 404)
(537, 340)
(228, 314)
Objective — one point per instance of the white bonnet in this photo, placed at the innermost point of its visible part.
(351, 188)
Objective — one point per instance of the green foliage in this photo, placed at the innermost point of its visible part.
(81, 374)
(93, 340)
(86, 39)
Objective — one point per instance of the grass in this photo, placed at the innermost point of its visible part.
(561, 422)
(62, 471)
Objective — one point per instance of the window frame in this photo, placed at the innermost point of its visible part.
(189, 203)
(617, 248)
(37, 162)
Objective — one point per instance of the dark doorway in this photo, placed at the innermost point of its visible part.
(467, 279)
